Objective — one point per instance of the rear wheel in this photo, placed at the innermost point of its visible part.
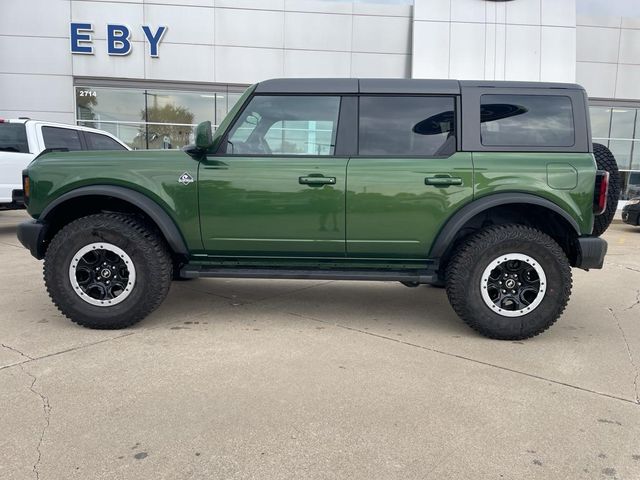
(107, 271)
(606, 161)
(509, 282)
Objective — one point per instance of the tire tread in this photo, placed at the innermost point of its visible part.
(606, 161)
(152, 243)
(466, 257)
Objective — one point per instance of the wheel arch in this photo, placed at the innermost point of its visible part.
(503, 208)
(91, 199)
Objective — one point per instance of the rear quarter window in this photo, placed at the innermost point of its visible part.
(526, 120)
(55, 137)
(96, 141)
(13, 138)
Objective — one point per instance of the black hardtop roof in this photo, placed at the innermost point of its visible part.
(394, 85)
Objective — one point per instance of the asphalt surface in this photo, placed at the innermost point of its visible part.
(316, 379)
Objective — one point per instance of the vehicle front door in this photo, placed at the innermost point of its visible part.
(277, 187)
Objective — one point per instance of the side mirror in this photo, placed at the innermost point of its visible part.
(204, 137)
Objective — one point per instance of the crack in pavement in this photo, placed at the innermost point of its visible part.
(637, 302)
(469, 359)
(637, 270)
(626, 343)
(9, 347)
(67, 350)
(46, 407)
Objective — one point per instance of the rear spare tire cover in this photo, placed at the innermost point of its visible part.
(606, 161)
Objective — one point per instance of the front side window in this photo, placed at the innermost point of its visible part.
(55, 137)
(404, 125)
(526, 121)
(286, 125)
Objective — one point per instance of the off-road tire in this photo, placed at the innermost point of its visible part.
(606, 161)
(148, 252)
(463, 280)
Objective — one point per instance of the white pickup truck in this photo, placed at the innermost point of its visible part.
(21, 140)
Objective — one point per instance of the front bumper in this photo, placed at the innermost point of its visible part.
(592, 252)
(32, 235)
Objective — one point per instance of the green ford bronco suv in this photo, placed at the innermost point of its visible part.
(491, 189)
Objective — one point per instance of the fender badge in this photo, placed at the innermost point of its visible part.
(185, 178)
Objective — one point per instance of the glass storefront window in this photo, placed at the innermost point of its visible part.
(179, 107)
(108, 104)
(600, 122)
(618, 127)
(622, 126)
(145, 118)
(635, 160)
(222, 107)
(622, 122)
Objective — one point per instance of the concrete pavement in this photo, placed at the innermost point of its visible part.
(316, 379)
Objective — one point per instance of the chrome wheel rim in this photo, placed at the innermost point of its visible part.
(513, 285)
(102, 274)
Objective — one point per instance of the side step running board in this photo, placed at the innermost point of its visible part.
(420, 276)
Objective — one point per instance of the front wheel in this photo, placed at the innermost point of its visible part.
(107, 271)
(509, 282)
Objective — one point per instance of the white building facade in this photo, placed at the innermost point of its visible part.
(157, 67)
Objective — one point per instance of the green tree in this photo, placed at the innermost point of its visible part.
(167, 114)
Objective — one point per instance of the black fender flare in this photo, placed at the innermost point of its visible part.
(157, 214)
(456, 222)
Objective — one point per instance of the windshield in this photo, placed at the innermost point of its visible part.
(13, 138)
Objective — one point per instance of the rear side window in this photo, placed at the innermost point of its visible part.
(526, 120)
(405, 125)
(95, 141)
(55, 137)
(13, 138)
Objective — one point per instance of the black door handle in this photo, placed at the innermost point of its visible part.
(442, 181)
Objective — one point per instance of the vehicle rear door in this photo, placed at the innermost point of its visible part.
(277, 187)
(408, 177)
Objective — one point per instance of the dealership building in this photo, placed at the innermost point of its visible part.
(149, 70)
